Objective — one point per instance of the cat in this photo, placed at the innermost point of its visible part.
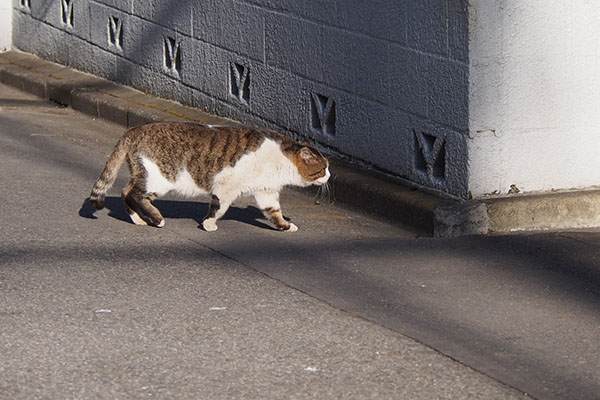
(225, 162)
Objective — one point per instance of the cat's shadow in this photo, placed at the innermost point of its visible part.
(194, 210)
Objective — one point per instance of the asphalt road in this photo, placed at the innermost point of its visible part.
(92, 306)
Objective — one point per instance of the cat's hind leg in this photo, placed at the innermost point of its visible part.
(268, 202)
(151, 211)
(140, 208)
(133, 210)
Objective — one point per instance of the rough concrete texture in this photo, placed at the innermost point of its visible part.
(578, 209)
(468, 218)
(389, 90)
(5, 25)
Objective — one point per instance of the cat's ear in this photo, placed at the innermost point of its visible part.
(306, 154)
(305, 143)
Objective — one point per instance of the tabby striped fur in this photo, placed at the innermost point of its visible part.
(194, 159)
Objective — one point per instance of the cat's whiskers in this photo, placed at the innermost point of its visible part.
(325, 192)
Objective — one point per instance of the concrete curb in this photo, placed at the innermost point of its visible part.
(92, 95)
(543, 212)
(352, 186)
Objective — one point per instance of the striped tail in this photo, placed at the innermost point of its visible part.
(109, 174)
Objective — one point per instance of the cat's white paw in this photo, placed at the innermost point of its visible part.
(209, 225)
(136, 219)
(292, 228)
(161, 223)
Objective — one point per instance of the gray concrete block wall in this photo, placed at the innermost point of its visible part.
(384, 82)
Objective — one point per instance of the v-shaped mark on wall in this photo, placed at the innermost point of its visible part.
(115, 31)
(172, 55)
(431, 155)
(66, 9)
(240, 82)
(323, 114)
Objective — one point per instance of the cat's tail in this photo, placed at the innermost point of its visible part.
(109, 174)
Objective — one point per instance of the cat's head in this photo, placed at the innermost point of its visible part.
(312, 166)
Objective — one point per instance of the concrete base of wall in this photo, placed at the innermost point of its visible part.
(376, 195)
(5, 25)
(518, 213)
(549, 211)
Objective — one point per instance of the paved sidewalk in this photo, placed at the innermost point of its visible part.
(522, 309)
(92, 306)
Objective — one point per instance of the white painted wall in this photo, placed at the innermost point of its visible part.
(5, 25)
(534, 95)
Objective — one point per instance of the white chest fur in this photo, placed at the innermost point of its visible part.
(265, 169)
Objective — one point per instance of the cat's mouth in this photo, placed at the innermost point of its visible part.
(324, 179)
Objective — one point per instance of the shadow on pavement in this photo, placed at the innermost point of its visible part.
(173, 209)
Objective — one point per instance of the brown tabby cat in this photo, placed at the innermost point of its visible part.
(194, 159)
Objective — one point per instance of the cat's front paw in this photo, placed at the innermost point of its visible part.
(209, 225)
(292, 228)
